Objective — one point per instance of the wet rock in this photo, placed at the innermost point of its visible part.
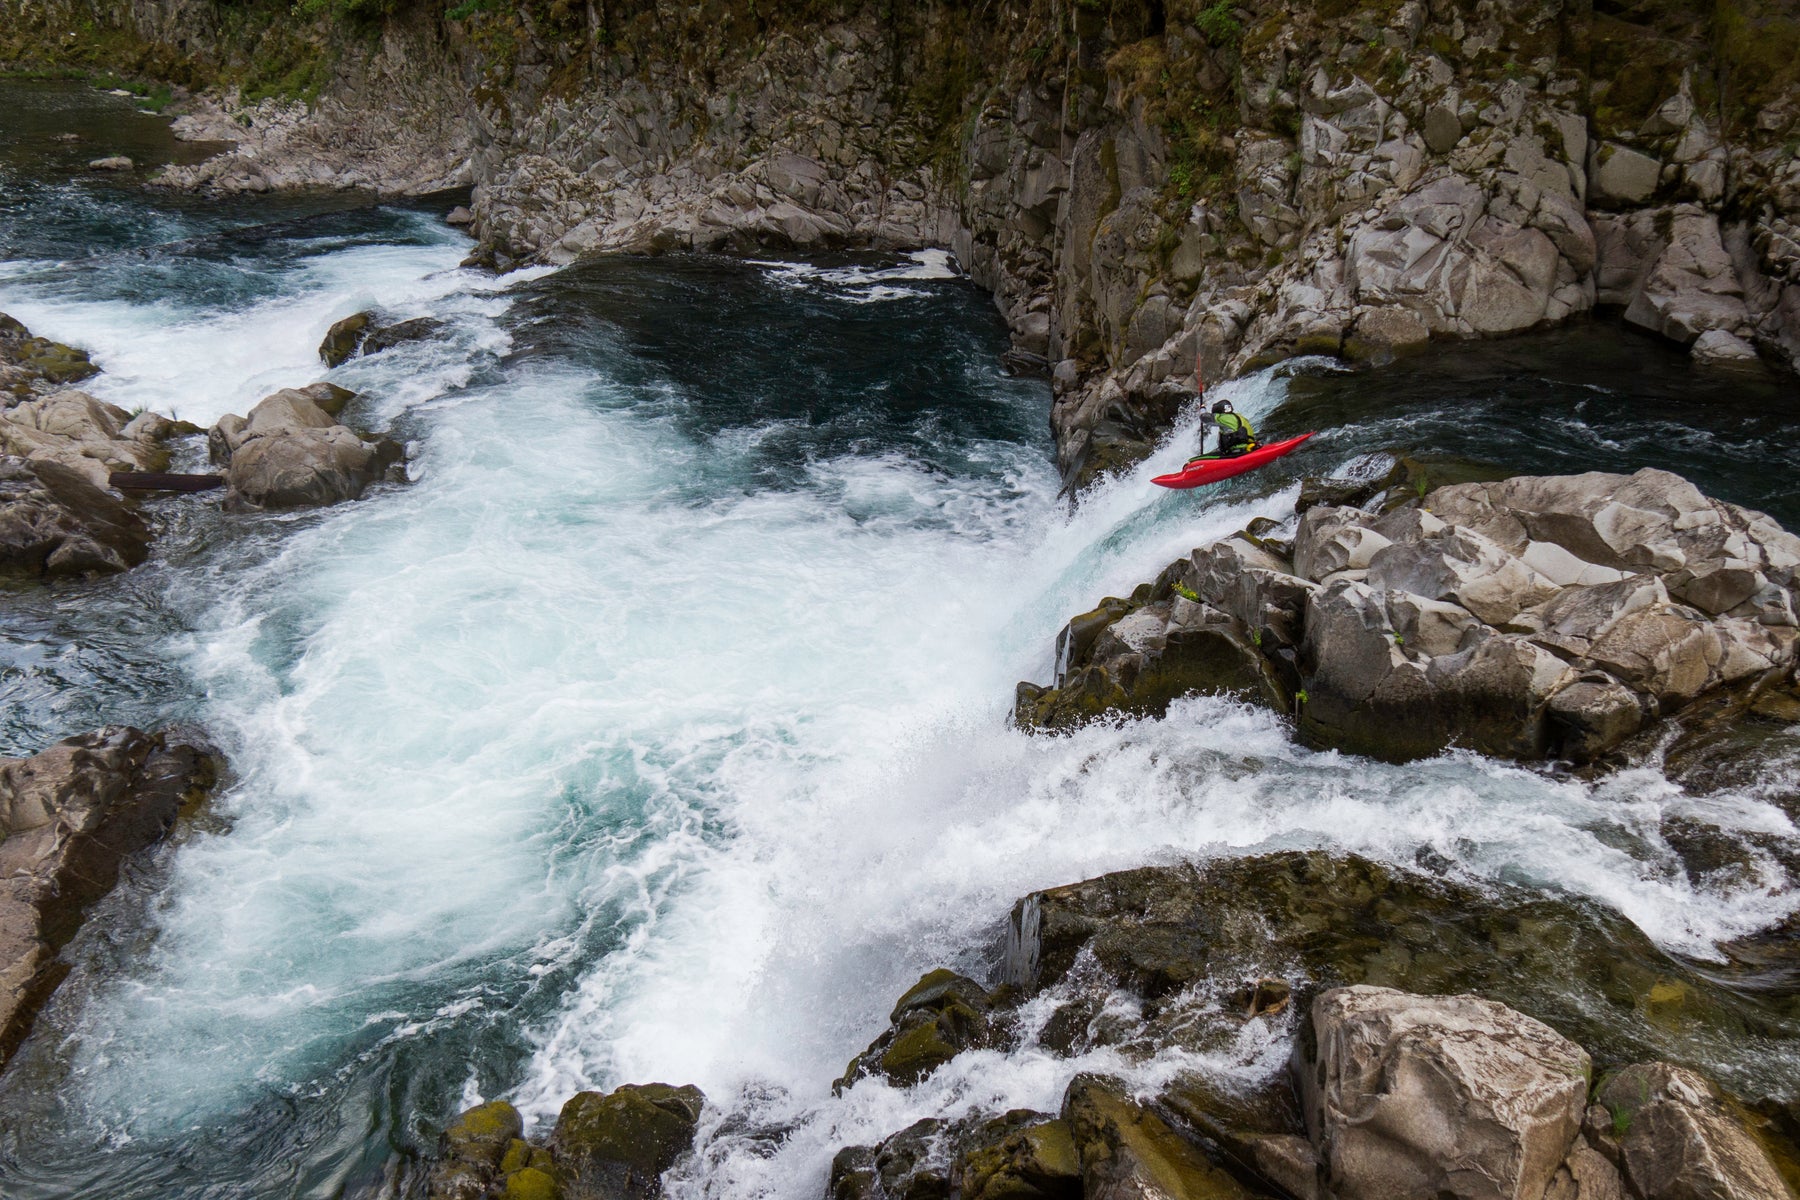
(291, 453)
(1328, 921)
(909, 1165)
(459, 216)
(1675, 1137)
(1416, 1098)
(35, 365)
(345, 338)
(1525, 618)
(116, 162)
(617, 1144)
(1128, 1152)
(69, 817)
(1023, 1155)
(386, 337)
(1721, 346)
(54, 522)
(471, 1150)
(938, 1018)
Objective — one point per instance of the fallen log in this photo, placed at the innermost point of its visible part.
(157, 481)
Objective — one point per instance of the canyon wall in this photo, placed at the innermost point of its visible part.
(1148, 187)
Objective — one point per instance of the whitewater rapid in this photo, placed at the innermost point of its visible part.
(594, 756)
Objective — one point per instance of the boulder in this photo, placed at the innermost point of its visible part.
(316, 467)
(69, 817)
(617, 1144)
(459, 217)
(30, 365)
(86, 435)
(386, 337)
(1675, 1137)
(1430, 1097)
(1022, 1155)
(54, 521)
(345, 338)
(290, 452)
(116, 162)
(938, 1018)
(904, 1166)
(1128, 1152)
(1622, 177)
(471, 1150)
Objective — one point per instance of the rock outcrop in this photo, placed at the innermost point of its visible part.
(54, 522)
(1530, 618)
(606, 1146)
(87, 435)
(290, 452)
(364, 333)
(36, 365)
(1403, 1085)
(69, 816)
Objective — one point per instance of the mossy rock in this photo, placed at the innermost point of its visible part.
(345, 338)
(531, 1184)
(1127, 1149)
(627, 1138)
(1023, 1155)
(483, 1133)
(934, 1020)
(1326, 920)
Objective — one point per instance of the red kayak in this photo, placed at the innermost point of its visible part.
(1211, 470)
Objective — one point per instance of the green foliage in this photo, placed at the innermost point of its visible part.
(1219, 24)
(1185, 592)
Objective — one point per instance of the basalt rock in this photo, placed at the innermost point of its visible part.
(1527, 618)
(616, 1145)
(471, 1151)
(938, 1018)
(291, 453)
(54, 521)
(69, 817)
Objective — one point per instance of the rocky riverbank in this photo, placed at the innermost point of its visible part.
(70, 816)
(1448, 1042)
(1530, 618)
(1146, 190)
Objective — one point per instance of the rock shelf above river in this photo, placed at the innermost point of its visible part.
(1550, 616)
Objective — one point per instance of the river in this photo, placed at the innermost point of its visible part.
(657, 728)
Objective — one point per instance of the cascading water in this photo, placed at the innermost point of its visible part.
(657, 729)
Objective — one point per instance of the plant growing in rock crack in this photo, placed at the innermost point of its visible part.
(1185, 592)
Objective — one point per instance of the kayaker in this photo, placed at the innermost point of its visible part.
(1235, 435)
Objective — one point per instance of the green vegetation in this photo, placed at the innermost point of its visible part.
(1220, 24)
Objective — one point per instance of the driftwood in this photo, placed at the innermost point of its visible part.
(157, 481)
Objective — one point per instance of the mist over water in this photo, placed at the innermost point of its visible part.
(657, 728)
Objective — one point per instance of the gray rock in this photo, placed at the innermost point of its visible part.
(1677, 1139)
(459, 216)
(1721, 346)
(1622, 177)
(117, 162)
(1425, 1097)
(69, 817)
(291, 453)
(1442, 128)
(1692, 287)
(54, 521)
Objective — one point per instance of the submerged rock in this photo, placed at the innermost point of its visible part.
(69, 816)
(1526, 618)
(54, 521)
(291, 453)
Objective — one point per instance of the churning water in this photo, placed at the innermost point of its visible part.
(657, 728)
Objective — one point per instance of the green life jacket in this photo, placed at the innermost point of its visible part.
(1235, 434)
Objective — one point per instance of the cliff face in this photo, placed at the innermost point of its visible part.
(1146, 186)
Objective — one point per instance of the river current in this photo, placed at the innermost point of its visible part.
(656, 730)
